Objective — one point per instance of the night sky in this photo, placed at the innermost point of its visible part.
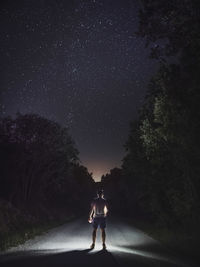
(78, 63)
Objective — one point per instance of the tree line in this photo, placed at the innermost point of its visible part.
(160, 175)
(40, 173)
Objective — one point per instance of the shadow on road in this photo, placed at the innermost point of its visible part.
(70, 258)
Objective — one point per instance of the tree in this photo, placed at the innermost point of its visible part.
(37, 155)
(175, 22)
(165, 141)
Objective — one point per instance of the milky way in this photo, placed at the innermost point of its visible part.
(78, 63)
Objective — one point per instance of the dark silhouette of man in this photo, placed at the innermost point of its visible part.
(97, 216)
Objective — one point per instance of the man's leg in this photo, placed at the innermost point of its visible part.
(103, 233)
(103, 236)
(94, 233)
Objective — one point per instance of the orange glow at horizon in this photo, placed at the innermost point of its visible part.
(98, 169)
(97, 174)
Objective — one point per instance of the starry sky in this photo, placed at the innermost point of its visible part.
(79, 63)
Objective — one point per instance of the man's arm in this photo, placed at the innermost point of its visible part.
(91, 214)
(105, 210)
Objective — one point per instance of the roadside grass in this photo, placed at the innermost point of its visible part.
(183, 241)
(23, 233)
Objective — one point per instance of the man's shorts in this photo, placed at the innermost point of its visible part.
(99, 221)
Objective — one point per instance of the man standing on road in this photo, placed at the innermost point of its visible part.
(97, 217)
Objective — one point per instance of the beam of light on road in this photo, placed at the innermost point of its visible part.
(122, 241)
(54, 246)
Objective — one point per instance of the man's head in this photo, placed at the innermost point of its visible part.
(100, 193)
